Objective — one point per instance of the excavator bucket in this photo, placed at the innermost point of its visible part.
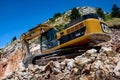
(27, 60)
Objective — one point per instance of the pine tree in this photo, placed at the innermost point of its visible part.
(100, 13)
(74, 14)
(115, 11)
(56, 15)
(14, 38)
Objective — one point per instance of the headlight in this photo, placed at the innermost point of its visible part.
(104, 28)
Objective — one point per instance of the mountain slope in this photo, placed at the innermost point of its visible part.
(65, 17)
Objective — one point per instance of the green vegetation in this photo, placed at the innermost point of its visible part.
(14, 38)
(100, 13)
(1, 51)
(74, 14)
(55, 16)
(115, 11)
(107, 17)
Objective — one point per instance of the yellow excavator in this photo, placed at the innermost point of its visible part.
(81, 31)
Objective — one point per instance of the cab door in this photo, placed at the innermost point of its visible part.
(48, 39)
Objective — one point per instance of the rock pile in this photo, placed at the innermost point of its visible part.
(91, 65)
(7, 66)
(115, 39)
(115, 43)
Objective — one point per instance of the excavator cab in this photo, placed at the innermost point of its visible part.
(48, 39)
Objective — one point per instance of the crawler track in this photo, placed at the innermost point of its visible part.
(61, 54)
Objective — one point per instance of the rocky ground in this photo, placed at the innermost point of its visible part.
(104, 65)
(115, 39)
(91, 65)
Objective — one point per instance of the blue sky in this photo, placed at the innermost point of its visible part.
(18, 16)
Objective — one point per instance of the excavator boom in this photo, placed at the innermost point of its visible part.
(31, 34)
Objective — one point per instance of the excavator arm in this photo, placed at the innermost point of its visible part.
(26, 37)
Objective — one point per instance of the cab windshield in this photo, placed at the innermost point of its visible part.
(48, 39)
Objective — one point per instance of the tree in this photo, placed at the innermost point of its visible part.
(115, 11)
(100, 13)
(56, 15)
(74, 14)
(14, 38)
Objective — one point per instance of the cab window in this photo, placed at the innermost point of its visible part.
(48, 39)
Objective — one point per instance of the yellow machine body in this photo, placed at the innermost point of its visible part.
(93, 31)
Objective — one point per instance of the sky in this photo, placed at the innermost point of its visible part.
(18, 16)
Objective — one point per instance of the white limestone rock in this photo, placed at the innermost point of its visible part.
(108, 51)
(117, 69)
(56, 70)
(82, 60)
